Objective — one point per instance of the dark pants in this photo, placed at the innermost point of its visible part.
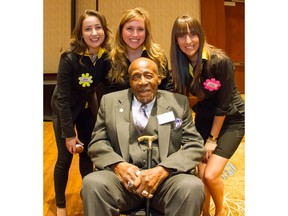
(84, 125)
(103, 194)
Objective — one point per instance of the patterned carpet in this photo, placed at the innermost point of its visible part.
(234, 199)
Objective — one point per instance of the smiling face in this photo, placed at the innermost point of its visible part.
(144, 80)
(93, 33)
(189, 44)
(133, 34)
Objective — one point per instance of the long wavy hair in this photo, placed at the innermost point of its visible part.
(118, 54)
(77, 43)
(180, 62)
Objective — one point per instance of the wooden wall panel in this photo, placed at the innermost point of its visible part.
(213, 22)
(82, 5)
(235, 31)
(235, 41)
(57, 29)
(224, 28)
(162, 14)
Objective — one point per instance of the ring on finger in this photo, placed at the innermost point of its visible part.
(130, 183)
(144, 193)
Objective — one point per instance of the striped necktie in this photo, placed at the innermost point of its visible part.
(141, 118)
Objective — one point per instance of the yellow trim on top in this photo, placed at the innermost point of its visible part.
(205, 53)
(204, 56)
(99, 55)
(100, 52)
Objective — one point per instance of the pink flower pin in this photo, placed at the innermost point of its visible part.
(212, 84)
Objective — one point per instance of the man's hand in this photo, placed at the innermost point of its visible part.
(144, 182)
(126, 173)
(149, 180)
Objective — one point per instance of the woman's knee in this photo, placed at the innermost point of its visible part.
(210, 178)
(63, 162)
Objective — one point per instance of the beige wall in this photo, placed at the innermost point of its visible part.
(82, 5)
(57, 29)
(57, 21)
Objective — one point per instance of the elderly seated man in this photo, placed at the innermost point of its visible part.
(123, 179)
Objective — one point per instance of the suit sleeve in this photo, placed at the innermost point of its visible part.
(100, 149)
(186, 159)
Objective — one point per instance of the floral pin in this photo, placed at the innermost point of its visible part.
(212, 84)
(85, 80)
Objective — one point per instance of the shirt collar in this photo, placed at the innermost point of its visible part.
(136, 104)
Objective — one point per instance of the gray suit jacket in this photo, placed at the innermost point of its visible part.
(180, 148)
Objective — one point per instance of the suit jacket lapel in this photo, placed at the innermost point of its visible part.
(122, 112)
(163, 136)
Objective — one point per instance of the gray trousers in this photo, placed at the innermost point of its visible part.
(103, 195)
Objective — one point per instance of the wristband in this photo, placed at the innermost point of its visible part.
(211, 141)
(212, 138)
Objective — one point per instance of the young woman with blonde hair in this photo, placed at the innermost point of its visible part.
(134, 39)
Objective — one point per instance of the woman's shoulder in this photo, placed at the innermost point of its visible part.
(219, 59)
(69, 55)
(218, 54)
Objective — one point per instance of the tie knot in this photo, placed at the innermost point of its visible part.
(143, 109)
